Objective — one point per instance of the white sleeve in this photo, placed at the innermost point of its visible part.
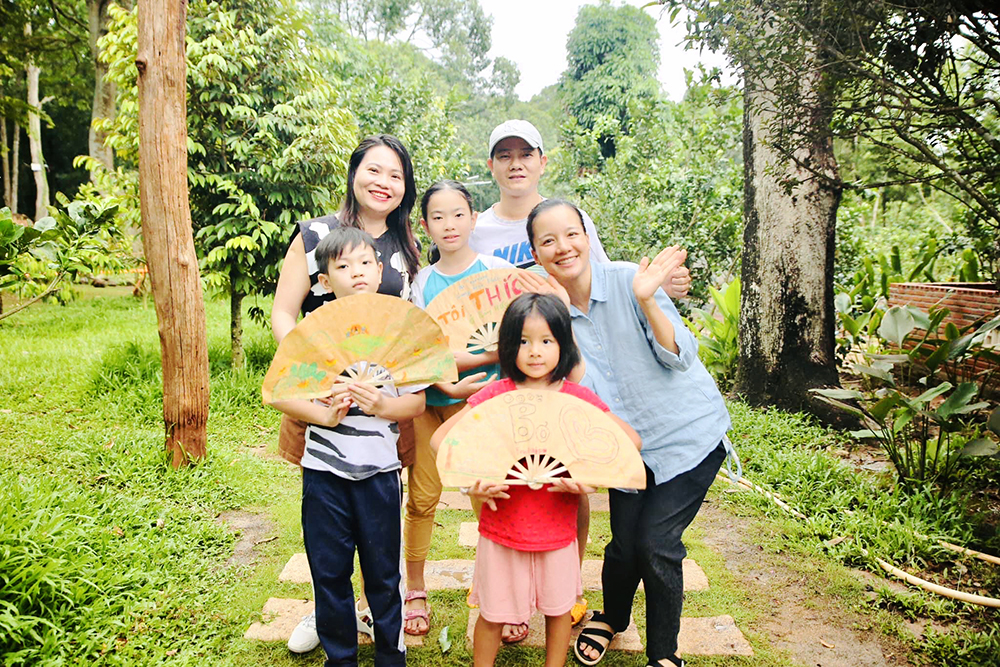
(417, 292)
(494, 262)
(596, 249)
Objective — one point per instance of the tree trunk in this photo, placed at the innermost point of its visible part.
(104, 90)
(166, 226)
(236, 326)
(15, 166)
(4, 152)
(787, 315)
(35, 138)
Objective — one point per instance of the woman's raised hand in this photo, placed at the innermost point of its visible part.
(532, 282)
(653, 273)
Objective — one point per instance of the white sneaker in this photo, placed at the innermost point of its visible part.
(366, 624)
(304, 637)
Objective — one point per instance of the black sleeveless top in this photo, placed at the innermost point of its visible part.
(395, 278)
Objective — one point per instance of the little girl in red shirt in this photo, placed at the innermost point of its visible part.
(527, 557)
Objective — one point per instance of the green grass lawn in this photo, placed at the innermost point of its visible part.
(107, 556)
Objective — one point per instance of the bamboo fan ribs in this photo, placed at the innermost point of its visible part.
(532, 437)
(370, 338)
(469, 312)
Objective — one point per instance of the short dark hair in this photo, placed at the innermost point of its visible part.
(548, 205)
(339, 240)
(556, 314)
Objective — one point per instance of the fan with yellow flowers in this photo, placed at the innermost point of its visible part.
(371, 338)
(470, 311)
(531, 437)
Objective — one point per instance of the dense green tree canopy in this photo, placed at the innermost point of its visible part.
(612, 56)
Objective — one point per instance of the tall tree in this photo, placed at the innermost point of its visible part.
(790, 198)
(269, 139)
(38, 170)
(166, 226)
(612, 60)
(103, 106)
(786, 314)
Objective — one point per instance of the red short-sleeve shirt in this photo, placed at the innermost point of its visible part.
(532, 520)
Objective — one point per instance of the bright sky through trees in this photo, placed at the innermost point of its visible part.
(533, 35)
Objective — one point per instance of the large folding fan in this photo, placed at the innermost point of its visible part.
(532, 437)
(470, 311)
(371, 338)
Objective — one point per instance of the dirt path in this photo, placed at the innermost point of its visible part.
(811, 626)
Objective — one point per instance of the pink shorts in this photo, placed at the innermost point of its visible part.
(509, 585)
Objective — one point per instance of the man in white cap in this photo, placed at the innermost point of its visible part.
(517, 162)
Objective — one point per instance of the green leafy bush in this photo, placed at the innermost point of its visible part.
(717, 331)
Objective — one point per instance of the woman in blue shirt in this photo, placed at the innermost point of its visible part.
(643, 362)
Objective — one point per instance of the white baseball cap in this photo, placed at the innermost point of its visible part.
(521, 129)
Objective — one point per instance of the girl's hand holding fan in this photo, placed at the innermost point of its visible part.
(489, 492)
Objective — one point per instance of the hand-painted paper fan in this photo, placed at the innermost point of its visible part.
(371, 338)
(470, 311)
(534, 436)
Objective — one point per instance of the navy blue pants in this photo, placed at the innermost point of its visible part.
(339, 515)
(646, 530)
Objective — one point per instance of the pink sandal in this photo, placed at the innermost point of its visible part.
(411, 614)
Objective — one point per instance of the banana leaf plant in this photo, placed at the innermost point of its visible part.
(923, 436)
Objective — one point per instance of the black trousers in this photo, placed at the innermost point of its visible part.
(646, 530)
(337, 516)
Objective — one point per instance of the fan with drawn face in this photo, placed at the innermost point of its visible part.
(531, 437)
(470, 311)
(371, 338)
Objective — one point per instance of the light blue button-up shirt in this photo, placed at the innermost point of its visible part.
(669, 399)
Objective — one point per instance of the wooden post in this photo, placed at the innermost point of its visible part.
(166, 225)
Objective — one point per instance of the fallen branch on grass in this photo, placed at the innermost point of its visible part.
(943, 591)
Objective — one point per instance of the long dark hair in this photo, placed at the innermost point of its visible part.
(556, 314)
(397, 222)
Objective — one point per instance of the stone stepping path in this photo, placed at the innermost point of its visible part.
(713, 635)
(280, 616)
(457, 574)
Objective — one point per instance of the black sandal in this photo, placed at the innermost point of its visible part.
(586, 640)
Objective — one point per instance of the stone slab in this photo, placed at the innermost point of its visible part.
(296, 570)
(278, 619)
(439, 574)
(448, 574)
(468, 534)
(453, 500)
(280, 616)
(694, 576)
(712, 635)
(627, 641)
